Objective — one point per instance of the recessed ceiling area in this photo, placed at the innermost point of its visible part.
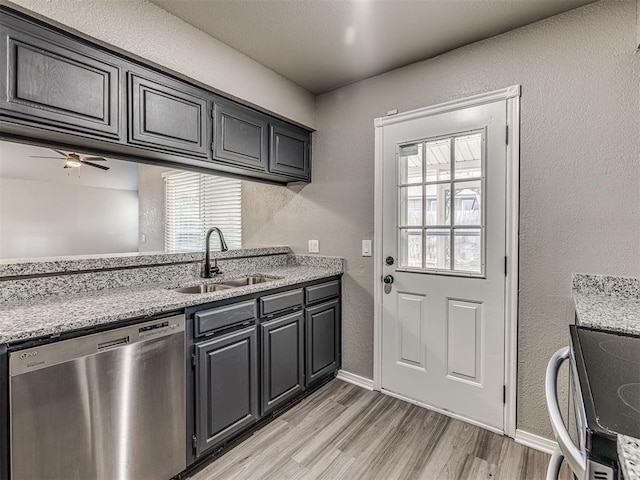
(325, 44)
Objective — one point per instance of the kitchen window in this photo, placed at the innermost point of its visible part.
(194, 202)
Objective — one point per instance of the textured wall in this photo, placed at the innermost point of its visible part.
(144, 29)
(580, 170)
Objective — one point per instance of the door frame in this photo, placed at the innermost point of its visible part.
(512, 97)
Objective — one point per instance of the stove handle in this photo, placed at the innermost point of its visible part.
(566, 448)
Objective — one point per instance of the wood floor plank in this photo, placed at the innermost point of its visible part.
(344, 432)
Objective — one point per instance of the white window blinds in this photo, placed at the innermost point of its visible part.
(194, 202)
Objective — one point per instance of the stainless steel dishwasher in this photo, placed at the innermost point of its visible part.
(109, 405)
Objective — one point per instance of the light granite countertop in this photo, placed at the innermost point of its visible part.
(23, 320)
(612, 303)
(629, 455)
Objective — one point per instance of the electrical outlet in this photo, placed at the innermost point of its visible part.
(143, 238)
(366, 248)
(314, 246)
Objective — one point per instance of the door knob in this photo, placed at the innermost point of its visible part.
(388, 279)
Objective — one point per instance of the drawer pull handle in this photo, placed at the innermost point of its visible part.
(113, 343)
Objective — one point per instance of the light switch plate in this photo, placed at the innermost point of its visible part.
(366, 248)
(314, 246)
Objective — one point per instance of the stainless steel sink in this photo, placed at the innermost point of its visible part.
(252, 280)
(233, 283)
(202, 288)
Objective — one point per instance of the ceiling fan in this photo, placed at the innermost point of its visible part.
(73, 160)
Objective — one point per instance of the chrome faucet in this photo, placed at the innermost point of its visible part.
(209, 271)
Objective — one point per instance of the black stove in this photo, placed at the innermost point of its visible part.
(607, 367)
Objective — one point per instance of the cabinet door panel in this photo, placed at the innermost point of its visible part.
(323, 340)
(57, 81)
(282, 360)
(289, 154)
(169, 117)
(226, 387)
(240, 136)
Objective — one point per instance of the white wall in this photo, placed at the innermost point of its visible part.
(580, 173)
(46, 210)
(146, 30)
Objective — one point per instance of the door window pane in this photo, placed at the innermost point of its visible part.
(438, 248)
(438, 160)
(441, 187)
(411, 206)
(468, 156)
(411, 248)
(439, 204)
(411, 164)
(467, 250)
(468, 203)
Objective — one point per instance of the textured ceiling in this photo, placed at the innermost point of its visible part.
(325, 44)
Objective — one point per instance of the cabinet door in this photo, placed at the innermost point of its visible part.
(289, 152)
(282, 360)
(226, 387)
(240, 136)
(323, 340)
(167, 115)
(58, 82)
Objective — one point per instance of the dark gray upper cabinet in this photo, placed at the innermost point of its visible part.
(322, 340)
(168, 115)
(58, 82)
(65, 91)
(226, 392)
(282, 360)
(289, 151)
(240, 136)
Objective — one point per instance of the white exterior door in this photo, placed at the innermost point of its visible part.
(443, 226)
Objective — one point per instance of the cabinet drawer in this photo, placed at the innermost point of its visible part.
(281, 301)
(58, 82)
(225, 316)
(317, 293)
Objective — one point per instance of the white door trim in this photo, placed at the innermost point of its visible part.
(512, 96)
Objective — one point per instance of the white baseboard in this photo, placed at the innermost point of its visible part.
(355, 379)
(535, 441)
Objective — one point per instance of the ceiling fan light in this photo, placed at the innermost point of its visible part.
(72, 163)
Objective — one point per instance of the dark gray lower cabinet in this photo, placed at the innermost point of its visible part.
(282, 360)
(57, 82)
(323, 340)
(226, 387)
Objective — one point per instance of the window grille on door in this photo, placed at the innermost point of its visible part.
(441, 187)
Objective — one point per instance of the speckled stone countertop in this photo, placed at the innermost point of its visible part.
(609, 303)
(629, 455)
(612, 303)
(48, 265)
(26, 319)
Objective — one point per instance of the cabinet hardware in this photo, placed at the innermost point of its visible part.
(194, 442)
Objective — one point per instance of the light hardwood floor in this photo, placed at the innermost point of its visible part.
(343, 432)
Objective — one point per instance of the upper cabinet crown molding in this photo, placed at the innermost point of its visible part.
(67, 92)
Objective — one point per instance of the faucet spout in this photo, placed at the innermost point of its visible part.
(209, 271)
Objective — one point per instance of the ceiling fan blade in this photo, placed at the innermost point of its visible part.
(102, 167)
(95, 159)
(60, 152)
(55, 158)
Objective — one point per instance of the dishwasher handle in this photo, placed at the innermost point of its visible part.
(575, 458)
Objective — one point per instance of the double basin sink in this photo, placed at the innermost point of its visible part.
(234, 283)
